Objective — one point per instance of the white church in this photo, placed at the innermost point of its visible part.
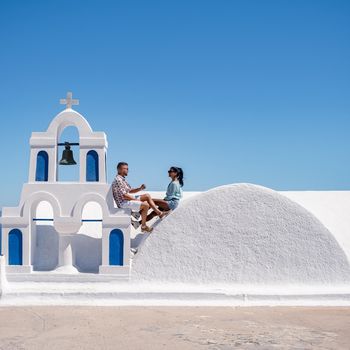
(237, 244)
(21, 225)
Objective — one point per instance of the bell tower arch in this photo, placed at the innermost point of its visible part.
(92, 147)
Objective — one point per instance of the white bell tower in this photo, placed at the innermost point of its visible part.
(67, 200)
(44, 148)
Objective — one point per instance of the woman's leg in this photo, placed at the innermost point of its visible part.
(162, 204)
(147, 198)
(151, 215)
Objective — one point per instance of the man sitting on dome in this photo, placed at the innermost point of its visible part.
(124, 198)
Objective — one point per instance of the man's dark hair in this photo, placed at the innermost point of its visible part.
(120, 164)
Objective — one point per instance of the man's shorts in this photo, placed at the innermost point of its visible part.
(133, 205)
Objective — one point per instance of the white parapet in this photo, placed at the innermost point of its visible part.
(3, 280)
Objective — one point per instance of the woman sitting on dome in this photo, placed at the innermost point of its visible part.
(174, 190)
(172, 196)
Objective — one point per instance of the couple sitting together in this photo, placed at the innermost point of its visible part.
(124, 196)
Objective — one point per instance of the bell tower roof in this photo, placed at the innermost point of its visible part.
(69, 117)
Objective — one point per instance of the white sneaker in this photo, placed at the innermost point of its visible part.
(136, 215)
(133, 251)
(135, 224)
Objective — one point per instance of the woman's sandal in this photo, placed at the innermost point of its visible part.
(146, 229)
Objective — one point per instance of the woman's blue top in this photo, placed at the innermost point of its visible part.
(174, 191)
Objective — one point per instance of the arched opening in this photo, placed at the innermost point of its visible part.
(91, 218)
(44, 237)
(43, 213)
(87, 245)
(116, 247)
(15, 247)
(69, 173)
(92, 171)
(42, 166)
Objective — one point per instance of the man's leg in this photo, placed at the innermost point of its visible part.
(143, 211)
(147, 198)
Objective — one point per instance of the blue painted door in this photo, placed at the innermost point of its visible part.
(42, 166)
(116, 247)
(15, 247)
(92, 166)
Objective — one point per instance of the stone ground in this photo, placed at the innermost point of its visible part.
(212, 328)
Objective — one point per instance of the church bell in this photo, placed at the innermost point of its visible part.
(67, 155)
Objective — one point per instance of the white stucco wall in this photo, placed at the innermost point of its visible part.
(330, 207)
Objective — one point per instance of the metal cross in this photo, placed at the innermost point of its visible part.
(69, 101)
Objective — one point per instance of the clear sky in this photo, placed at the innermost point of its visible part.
(232, 91)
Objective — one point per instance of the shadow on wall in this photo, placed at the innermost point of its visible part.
(87, 251)
(46, 248)
(138, 240)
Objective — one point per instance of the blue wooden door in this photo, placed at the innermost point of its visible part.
(15, 247)
(116, 247)
(92, 166)
(42, 166)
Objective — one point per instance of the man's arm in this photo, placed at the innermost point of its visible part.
(128, 197)
(138, 189)
(119, 189)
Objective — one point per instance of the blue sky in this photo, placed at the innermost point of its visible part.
(232, 91)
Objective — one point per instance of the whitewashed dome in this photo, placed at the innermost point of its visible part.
(239, 234)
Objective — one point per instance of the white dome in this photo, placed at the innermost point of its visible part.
(239, 234)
